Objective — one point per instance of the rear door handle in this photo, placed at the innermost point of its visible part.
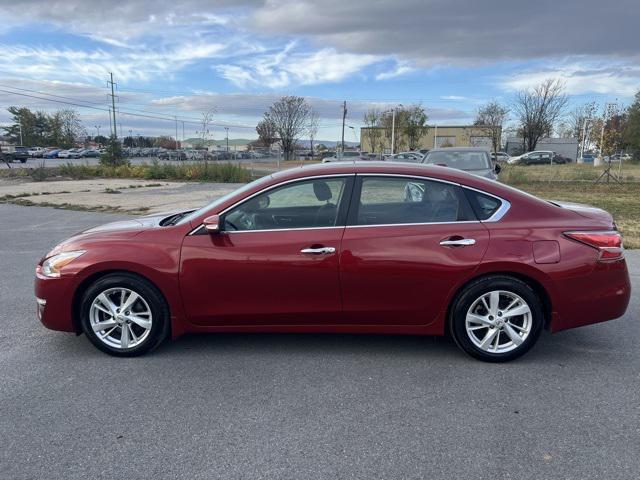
(318, 251)
(463, 242)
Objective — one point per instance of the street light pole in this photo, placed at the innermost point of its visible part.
(393, 131)
(227, 129)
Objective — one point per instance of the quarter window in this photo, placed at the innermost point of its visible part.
(399, 200)
(483, 205)
(304, 204)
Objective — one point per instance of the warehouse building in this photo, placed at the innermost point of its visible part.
(378, 139)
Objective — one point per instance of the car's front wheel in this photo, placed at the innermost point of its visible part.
(124, 315)
(496, 318)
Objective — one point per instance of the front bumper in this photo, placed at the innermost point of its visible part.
(54, 300)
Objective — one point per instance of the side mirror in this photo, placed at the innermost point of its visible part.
(212, 224)
(498, 168)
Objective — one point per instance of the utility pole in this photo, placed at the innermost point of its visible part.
(176, 118)
(183, 130)
(227, 129)
(393, 131)
(435, 137)
(20, 125)
(110, 124)
(344, 116)
(113, 105)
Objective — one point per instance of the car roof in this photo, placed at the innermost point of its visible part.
(461, 149)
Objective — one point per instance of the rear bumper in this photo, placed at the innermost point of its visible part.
(601, 295)
(54, 303)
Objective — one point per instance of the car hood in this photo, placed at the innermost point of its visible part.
(109, 231)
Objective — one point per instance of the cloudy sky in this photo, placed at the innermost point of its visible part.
(181, 58)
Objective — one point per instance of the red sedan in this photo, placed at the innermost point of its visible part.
(367, 247)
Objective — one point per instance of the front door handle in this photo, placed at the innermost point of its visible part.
(318, 251)
(463, 242)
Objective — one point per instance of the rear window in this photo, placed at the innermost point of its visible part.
(462, 160)
(483, 205)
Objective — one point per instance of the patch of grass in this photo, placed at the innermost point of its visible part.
(201, 171)
(81, 208)
(622, 201)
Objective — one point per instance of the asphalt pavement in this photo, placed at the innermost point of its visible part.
(304, 406)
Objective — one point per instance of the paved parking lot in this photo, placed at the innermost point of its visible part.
(294, 406)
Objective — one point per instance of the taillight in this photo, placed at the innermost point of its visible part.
(608, 243)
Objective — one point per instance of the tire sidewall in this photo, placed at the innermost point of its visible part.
(155, 300)
(472, 292)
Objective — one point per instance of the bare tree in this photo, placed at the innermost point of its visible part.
(290, 117)
(491, 118)
(581, 121)
(267, 134)
(538, 109)
(207, 118)
(69, 128)
(312, 128)
(373, 130)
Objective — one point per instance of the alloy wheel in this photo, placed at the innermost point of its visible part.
(120, 318)
(498, 321)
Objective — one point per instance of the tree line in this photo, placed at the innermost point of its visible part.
(62, 128)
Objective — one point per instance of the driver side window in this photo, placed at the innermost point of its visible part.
(304, 204)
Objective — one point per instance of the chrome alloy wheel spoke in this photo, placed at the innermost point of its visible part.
(121, 318)
(498, 321)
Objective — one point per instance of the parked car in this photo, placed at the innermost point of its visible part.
(411, 157)
(539, 157)
(51, 153)
(14, 153)
(473, 160)
(588, 157)
(454, 258)
(347, 156)
(500, 157)
(90, 153)
(71, 153)
(36, 152)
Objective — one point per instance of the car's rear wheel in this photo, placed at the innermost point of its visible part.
(496, 318)
(124, 315)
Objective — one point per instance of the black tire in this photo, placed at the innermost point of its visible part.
(472, 292)
(23, 160)
(149, 292)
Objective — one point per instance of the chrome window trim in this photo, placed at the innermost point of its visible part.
(412, 224)
(497, 215)
(246, 199)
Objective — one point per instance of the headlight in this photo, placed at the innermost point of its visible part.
(51, 266)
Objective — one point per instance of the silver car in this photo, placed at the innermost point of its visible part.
(473, 160)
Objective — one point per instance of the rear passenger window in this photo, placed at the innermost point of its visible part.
(483, 205)
(392, 200)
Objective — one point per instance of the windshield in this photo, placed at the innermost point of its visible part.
(472, 160)
(224, 198)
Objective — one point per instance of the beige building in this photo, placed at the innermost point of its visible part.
(432, 137)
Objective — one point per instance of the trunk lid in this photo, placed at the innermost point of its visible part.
(588, 211)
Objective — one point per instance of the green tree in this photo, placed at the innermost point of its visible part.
(632, 129)
(414, 125)
(113, 154)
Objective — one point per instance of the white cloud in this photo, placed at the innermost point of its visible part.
(583, 77)
(287, 67)
(401, 68)
(64, 63)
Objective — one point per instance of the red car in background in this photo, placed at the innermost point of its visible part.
(365, 247)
